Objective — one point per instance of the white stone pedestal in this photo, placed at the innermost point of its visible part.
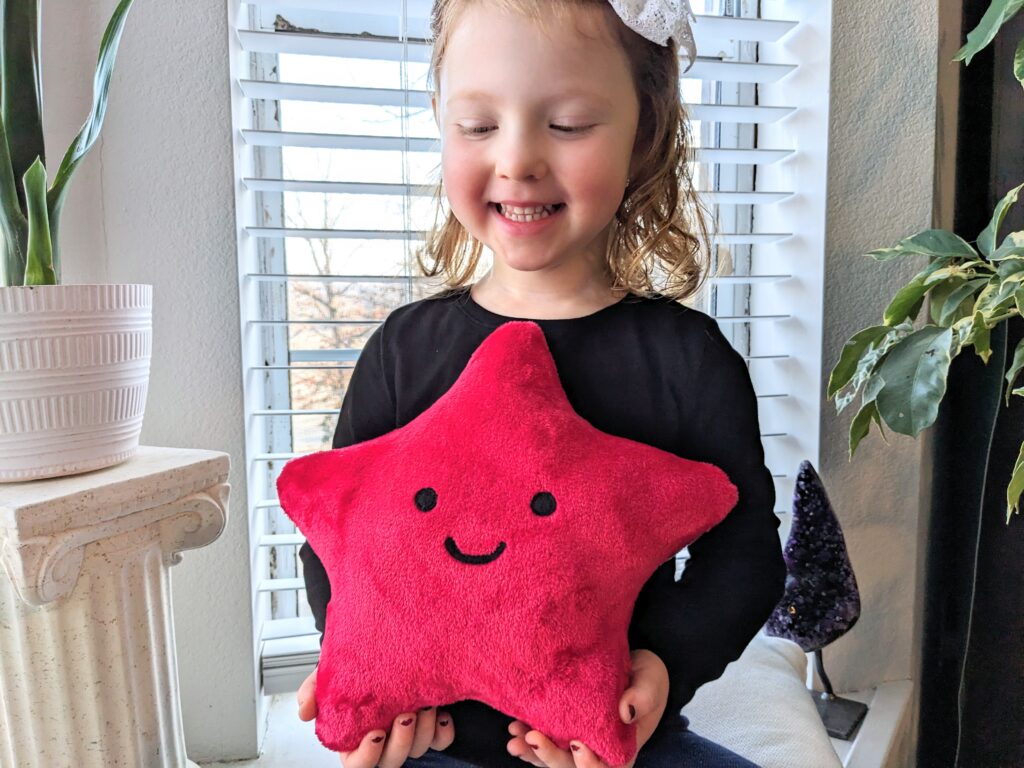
(88, 675)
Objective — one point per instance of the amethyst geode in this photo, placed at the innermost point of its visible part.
(821, 601)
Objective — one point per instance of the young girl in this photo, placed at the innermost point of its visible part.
(564, 147)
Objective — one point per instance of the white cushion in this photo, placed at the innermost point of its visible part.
(760, 708)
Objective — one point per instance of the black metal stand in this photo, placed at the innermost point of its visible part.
(842, 717)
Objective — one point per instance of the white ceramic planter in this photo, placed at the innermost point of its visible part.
(74, 370)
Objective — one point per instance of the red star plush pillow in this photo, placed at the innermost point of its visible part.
(492, 549)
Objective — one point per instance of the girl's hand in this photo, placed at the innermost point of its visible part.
(411, 735)
(647, 694)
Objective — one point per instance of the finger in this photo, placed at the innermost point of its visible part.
(585, 758)
(637, 701)
(444, 732)
(633, 705)
(367, 753)
(549, 752)
(518, 728)
(307, 698)
(518, 747)
(396, 748)
(424, 734)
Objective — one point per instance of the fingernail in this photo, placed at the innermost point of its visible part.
(425, 709)
(575, 747)
(406, 722)
(442, 722)
(632, 713)
(377, 739)
(531, 746)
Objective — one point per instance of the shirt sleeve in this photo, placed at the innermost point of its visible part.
(735, 575)
(367, 411)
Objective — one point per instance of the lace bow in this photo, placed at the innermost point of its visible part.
(658, 20)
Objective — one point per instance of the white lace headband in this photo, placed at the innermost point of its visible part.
(658, 20)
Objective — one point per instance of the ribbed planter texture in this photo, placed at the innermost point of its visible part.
(74, 370)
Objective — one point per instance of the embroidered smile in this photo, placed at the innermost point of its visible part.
(454, 551)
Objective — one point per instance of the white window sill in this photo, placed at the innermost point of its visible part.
(291, 743)
(885, 730)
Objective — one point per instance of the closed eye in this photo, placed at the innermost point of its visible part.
(479, 130)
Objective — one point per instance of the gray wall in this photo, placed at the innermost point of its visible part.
(880, 189)
(154, 203)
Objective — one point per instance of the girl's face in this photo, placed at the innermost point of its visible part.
(529, 118)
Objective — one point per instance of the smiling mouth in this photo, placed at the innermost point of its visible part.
(454, 551)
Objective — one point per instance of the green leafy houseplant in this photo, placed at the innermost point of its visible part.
(30, 213)
(901, 371)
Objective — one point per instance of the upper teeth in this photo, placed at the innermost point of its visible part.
(529, 210)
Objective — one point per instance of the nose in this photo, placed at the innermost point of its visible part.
(520, 155)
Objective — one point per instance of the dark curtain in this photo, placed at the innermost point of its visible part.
(972, 676)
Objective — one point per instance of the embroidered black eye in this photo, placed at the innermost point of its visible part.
(543, 504)
(426, 499)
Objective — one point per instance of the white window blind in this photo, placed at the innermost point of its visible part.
(336, 155)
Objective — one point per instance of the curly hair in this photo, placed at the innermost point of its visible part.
(652, 249)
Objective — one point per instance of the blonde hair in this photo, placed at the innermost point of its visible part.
(651, 234)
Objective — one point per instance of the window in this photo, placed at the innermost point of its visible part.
(337, 155)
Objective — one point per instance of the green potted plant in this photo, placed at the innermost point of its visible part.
(74, 359)
(900, 371)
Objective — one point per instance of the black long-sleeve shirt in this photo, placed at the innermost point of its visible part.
(647, 369)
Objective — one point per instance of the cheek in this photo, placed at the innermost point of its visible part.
(598, 172)
(464, 178)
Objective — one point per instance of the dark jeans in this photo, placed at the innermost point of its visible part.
(684, 749)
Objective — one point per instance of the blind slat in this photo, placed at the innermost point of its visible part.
(367, 188)
(312, 44)
(425, 144)
(369, 15)
(396, 97)
(727, 238)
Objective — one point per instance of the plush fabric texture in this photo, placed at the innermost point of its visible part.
(821, 602)
(493, 549)
(760, 708)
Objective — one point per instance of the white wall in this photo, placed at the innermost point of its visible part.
(154, 203)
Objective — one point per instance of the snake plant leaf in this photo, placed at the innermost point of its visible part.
(851, 355)
(91, 128)
(931, 242)
(1015, 367)
(915, 373)
(1018, 63)
(21, 97)
(10, 209)
(39, 267)
(988, 236)
(1000, 12)
(908, 299)
(1015, 487)
(954, 305)
(13, 224)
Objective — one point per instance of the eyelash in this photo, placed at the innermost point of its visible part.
(479, 130)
